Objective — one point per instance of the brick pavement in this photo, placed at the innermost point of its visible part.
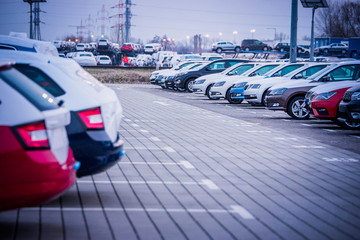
(190, 173)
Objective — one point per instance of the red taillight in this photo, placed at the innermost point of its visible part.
(243, 45)
(92, 118)
(34, 135)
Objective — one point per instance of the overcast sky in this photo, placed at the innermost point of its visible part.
(177, 19)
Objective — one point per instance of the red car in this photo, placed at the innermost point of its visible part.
(127, 47)
(36, 163)
(324, 99)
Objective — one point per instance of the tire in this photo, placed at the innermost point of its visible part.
(230, 100)
(247, 49)
(297, 108)
(218, 50)
(265, 48)
(348, 124)
(343, 51)
(163, 87)
(189, 85)
(264, 96)
(207, 92)
(237, 49)
(326, 50)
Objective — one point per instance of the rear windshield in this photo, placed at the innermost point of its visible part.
(41, 79)
(40, 98)
(104, 58)
(85, 55)
(80, 45)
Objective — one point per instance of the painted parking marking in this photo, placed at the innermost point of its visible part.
(306, 124)
(258, 131)
(161, 103)
(205, 182)
(267, 115)
(234, 209)
(356, 136)
(140, 120)
(242, 212)
(330, 130)
(169, 149)
(144, 131)
(308, 146)
(155, 139)
(340, 159)
(210, 184)
(127, 120)
(286, 120)
(134, 125)
(285, 139)
(187, 164)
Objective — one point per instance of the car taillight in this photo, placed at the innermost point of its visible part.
(92, 118)
(33, 135)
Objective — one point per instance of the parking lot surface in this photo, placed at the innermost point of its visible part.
(195, 171)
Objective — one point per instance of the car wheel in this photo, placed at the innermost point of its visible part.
(348, 124)
(297, 108)
(189, 85)
(218, 50)
(247, 49)
(208, 92)
(264, 96)
(343, 51)
(230, 100)
(265, 48)
(162, 87)
(237, 49)
(326, 50)
(281, 49)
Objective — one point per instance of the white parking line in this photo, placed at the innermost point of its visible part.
(330, 130)
(340, 159)
(286, 120)
(169, 149)
(305, 124)
(234, 209)
(134, 125)
(210, 184)
(308, 146)
(187, 164)
(155, 139)
(144, 131)
(242, 212)
(127, 120)
(258, 131)
(355, 136)
(161, 103)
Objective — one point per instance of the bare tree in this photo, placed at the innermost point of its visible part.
(341, 19)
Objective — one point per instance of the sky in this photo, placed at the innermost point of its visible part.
(177, 19)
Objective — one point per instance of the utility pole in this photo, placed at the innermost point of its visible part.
(127, 19)
(37, 17)
(293, 36)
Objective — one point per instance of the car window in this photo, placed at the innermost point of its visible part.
(41, 79)
(41, 99)
(232, 63)
(257, 42)
(214, 58)
(263, 70)
(104, 58)
(229, 43)
(241, 69)
(310, 71)
(85, 55)
(348, 72)
(286, 70)
(217, 65)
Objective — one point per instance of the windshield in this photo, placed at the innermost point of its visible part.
(241, 69)
(285, 70)
(85, 55)
(196, 66)
(263, 70)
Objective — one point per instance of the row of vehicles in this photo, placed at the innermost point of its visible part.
(57, 122)
(327, 90)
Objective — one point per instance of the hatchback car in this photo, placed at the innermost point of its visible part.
(324, 101)
(103, 60)
(349, 107)
(84, 58)
(253, 44)
(226, 46)
(36, 164)
(290, 97)
(95, 109)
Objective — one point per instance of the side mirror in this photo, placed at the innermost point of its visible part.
(298, 76)
(276, 75)
(208, 69)
(325, 79)
(230, 73)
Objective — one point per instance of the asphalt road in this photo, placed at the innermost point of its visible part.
(201, 169)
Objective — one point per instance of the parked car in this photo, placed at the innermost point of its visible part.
(151, 48)
(334, 48)
(324, 101)
(95, 109)
(104, 44)
(253, 44)
(302, 50)
(256, 91)
(290, 97)
(349, 107)
(60, 45)
(185, 79)
(211, 56)
(80, 47)
(84, 58)
(282, 47)
(226, 46)
(203, 84)
(128, 47)
(27, 45)
(167, 80)
(103, 60)
(36, 164)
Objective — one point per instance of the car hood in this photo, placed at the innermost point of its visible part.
(296, 84)
(332, 86)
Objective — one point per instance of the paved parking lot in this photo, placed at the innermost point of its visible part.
(195, 172)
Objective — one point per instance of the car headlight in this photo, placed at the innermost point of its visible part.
(154, 74)
(170, 77)
(256, 86)
(178, 81)
(278, 91)
(240, 85)
(219, 84)
(355, 96)
(200, 81)
(325, 96)
(159, 77)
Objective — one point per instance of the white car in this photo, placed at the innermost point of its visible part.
(256, 91)
(80, 47)
(84, 58)
(221, 88)
(103, 60)
(203, 84)
(95, 109)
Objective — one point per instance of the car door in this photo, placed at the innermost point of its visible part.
(343, 73)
